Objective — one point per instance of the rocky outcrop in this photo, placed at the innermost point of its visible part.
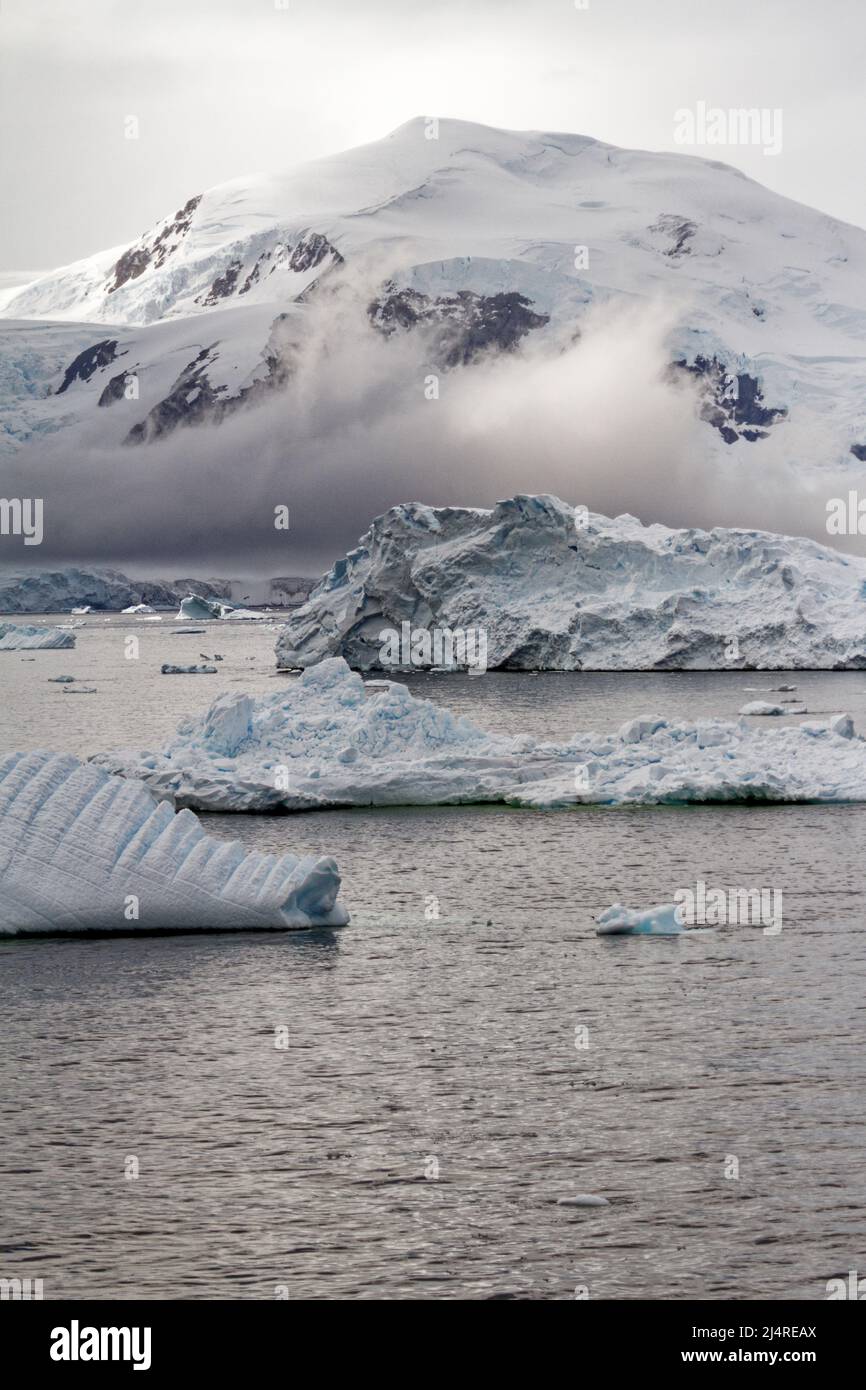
(732, 404)
(154, 250)
(461, 326)
(87, 362)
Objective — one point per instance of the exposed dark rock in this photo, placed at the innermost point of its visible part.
(115, 390)
(223, 285)
(311, 250)
(87, 362)
(732, 404)
(192, 399)
(859, 452)
(678, 231)
(254, 273)
(463, 325)
(136, 260)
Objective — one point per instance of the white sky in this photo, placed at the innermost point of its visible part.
(226, 87)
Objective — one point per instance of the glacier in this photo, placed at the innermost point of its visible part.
(83, 851)
(328, 739)
(556, 587)
(26, 638)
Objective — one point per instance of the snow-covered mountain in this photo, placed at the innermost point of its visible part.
(540, 585)
(479, 239)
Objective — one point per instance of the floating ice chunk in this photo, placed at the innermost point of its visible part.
(83, 851)
(79, 612)
(341, 745)
(196, 609)
(583, 1199)
(764, 707)
(665, 920)
(842, 724)
(25, 638)
(167, 669)
(61, 680)
(637, 729)
(139, 608)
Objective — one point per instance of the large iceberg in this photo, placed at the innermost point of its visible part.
(23, 638)
(553, 587)
(328, 739)
(83, 851)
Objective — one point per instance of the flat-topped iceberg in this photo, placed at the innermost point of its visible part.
(548, 586)
(24, 638)
(327, 739)
(83, 851)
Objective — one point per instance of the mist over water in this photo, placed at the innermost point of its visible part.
(597, 421)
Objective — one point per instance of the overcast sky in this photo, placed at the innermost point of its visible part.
(226, 87)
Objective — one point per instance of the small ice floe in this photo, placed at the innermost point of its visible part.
(26, 638)
(61, 680)
(79, 612)
(139, 608)
(764, 707)
(167, 669)
(79, 690)
(83, 851)
(664, 920)
(582, 1199)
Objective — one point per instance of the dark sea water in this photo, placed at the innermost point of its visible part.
(433, 1099)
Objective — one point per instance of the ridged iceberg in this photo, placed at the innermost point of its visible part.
(83, 851)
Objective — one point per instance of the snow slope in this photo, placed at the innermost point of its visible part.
(555, 588)
(480, 237)
(82, 851)
(327, 739)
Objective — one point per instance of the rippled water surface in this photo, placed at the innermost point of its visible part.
(420, 1045)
